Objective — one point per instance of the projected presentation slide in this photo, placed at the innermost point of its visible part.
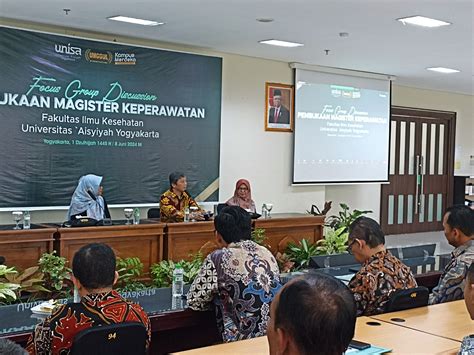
(71, 107)
(341, 128)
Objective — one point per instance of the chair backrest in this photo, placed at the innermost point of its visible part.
(153, 213)
(408, 298)
(220, 206)
(345, 259)
(113, 339)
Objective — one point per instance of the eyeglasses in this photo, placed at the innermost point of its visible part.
(243, 189)
(349, 246)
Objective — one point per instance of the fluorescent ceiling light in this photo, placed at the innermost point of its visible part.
(423, 21)
(276, 42)
(136, 21)
(443, 70)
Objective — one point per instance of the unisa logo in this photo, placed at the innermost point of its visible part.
(68, 49)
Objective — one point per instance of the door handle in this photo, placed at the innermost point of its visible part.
(417, 183)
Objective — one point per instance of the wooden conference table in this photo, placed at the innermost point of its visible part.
(449, 320)
(23, 248)
(400, 339)
(142, 240)
(184, 239)
(151, 240)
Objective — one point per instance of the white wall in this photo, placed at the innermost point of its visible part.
(265, 158)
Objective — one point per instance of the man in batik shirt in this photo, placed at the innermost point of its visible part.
(93, 275)
(458, 224)
(241, 279)
(381, 273)
(174, 201)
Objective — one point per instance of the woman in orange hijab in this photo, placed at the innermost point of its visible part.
(242, 196)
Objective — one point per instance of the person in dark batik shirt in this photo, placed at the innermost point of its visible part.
(240, 279)
(93, 275)
(381, 273)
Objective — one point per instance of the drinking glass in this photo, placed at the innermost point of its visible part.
(128, 212)
(192, 213)
(17, 215)
(269, 207)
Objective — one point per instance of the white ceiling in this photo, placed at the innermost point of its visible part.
(376, 43)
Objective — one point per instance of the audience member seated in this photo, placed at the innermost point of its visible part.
(174, 201)
(8, 347)
(242, 196)
(240, 279)
(458, 224)
(312, 315)
(467, 346)
(93, 275)
(87, 200)
(381, 272)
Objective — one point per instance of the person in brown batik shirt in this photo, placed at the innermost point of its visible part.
(381, 272)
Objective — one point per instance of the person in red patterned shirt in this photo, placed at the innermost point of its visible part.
(94, 276)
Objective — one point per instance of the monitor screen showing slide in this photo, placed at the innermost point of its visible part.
(342, 128)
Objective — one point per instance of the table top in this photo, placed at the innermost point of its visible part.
(400, 339)
(450, 320)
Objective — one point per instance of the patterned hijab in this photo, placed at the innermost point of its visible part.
(236, 200)
(81, 200)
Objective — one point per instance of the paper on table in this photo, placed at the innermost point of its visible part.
(368, 351)
(345, 278)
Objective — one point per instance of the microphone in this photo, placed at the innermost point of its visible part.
(91, 194)
(94, 197)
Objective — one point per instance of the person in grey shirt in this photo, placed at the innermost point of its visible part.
(458, 223)
(467, 346)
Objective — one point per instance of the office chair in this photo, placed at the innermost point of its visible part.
(220, 206)
(111, 339)
(153, 213)
(406, 299)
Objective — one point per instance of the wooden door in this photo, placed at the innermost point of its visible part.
(421, 170)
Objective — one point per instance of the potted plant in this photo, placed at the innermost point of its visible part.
(344, 218)
(301, 253)
(129, 270)
(334, 241)
(56, 275)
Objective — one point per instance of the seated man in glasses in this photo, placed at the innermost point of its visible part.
(381, 273)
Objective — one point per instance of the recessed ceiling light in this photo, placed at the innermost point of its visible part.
(423, 21)
(265, 20)
(136, 21)
(276, 42)
(443, 70)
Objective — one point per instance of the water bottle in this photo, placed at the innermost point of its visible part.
(186, 214)
(77, 297)
(26, 220)
(136, 215)
(177, 303)
(178, 284)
